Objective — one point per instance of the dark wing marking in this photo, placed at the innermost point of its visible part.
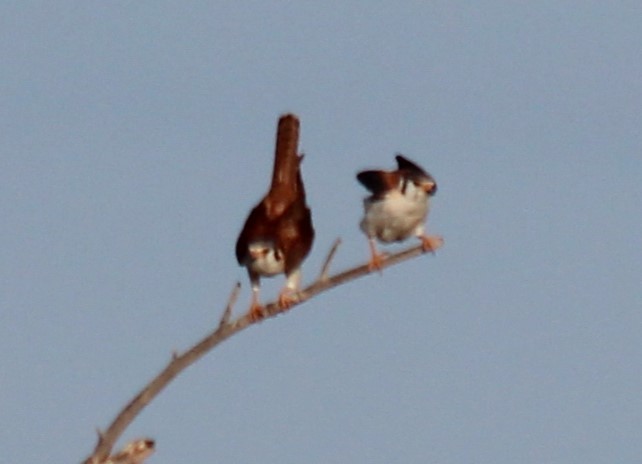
(378, 182)
(406, 164)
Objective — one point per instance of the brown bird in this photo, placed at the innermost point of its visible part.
(398, 207)
(278, 233)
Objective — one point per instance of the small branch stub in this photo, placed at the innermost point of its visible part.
(135, 452)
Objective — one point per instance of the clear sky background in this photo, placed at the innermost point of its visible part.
(136, 136)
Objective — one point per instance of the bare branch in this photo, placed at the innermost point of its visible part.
(226, 329)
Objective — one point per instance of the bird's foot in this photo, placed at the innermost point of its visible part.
(431, 243)
(287, 299)
(376, 262)
(256, 312)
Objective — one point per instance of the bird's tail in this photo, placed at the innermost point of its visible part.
(286, 159)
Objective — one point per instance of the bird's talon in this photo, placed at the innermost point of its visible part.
(431, 243)
(287, 300)
(256, 313)
(376, 262)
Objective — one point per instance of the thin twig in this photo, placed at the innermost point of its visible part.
(225, 318)
(225, 329)
(323, 275)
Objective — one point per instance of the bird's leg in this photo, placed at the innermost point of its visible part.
(256, 309)
(287, 296)
(376, 258)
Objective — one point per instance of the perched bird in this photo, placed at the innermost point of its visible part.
(397, 207)
(278, 233)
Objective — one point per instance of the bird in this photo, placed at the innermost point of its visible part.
(278, 233)
(397, 207)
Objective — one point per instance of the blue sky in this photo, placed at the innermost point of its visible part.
(137, 135)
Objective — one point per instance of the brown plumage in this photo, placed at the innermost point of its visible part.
(278, 233)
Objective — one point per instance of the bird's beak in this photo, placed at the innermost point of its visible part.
(430, 188)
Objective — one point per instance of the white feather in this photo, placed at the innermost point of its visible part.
(397, 215)
(264, 260)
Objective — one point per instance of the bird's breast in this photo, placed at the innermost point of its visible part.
(394, 217)
(268, 264)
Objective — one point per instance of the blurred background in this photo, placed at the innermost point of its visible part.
(137, 135)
